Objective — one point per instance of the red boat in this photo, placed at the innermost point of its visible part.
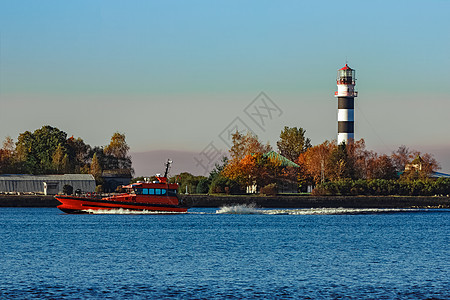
(159, 196)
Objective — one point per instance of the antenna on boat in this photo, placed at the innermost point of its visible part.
(168, 163)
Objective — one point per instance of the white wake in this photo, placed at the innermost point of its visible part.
(253, 210)
(242, 209)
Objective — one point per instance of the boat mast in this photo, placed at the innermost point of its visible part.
(168, 163)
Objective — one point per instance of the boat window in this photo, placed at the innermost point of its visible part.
(137, 191)
(163, 191)
(157, 191)
(145, 191)
(151, 191)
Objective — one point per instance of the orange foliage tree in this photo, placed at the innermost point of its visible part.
(247, 165)
(314, 161)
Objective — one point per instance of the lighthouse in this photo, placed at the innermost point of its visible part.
(346, 103)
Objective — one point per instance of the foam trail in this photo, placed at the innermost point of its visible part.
(337, 211)
(240, 210)
(251, 209)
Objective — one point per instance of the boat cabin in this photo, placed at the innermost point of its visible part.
(159, 188)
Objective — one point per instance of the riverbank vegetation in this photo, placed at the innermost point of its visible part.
(48, 150)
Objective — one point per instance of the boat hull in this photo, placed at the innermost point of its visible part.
(72, 204)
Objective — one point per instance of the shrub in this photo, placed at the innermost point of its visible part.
(323, 189)
(203, 186)
(269, 190)
(222, 184)
(384, 187)
(99, 188)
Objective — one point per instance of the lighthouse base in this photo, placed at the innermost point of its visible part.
(345, 137)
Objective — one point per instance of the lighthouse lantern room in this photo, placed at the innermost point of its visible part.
(346, 103)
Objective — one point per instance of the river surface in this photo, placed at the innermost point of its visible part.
(232, 253)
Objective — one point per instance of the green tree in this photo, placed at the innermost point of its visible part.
(65, 164)
(187, 181)
(293, 142)
(218, 168)
(35, 150)
(222, 184)
(78, 153)
(203, 186)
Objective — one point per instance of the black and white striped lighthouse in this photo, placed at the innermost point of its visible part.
(346, 103)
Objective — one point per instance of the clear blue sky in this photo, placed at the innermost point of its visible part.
(172, 75)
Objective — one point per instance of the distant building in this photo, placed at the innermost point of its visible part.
(45, 184)
(115, 178)
(418, 165)
(415, 165)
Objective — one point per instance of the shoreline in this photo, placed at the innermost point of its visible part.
(281, 201)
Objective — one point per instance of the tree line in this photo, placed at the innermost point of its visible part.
(345, 169)
(48, 150)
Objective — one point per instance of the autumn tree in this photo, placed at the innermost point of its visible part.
(116, 153)
(401, 157)
(96, 169)
(380, 167)
(358, 157)
(60, 160)
(330, 162)
(117, 147)
(313, 163)
(246, 159)
(293, 142)
(7, 161)
(339, 164)
(246, 144)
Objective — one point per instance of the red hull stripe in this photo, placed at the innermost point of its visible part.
(88, 201)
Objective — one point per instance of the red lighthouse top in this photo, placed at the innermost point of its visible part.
(346, 67)
(346, 75)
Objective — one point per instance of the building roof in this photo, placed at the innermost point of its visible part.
(283, 160)
(46, 177)
(440, 175)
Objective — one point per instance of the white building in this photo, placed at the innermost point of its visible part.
(45, 184)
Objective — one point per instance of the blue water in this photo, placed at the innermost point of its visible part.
(203, 254)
